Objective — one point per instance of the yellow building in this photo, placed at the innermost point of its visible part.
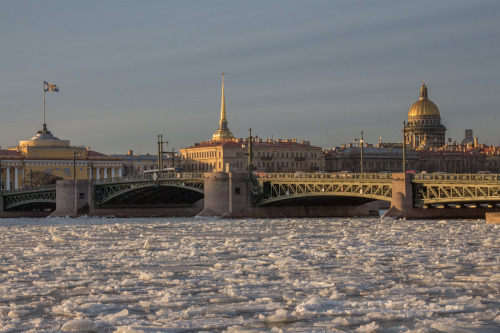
(225, 153)
(46, 154)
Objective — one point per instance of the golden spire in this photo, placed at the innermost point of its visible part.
(223, 106)
(223, 133)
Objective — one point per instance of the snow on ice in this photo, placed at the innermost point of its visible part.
(249, 275)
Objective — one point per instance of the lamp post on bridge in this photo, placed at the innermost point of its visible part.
(250, 152)
(361, 143)
(75, 153)
(404, 146)
(160, 152)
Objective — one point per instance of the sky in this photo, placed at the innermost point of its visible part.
(321, 71)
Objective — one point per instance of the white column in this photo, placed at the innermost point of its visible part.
(16, 178)
(120, 173)
(112, 172)
(105, 173)
(7, 178)
(91, 173)
(98, 173)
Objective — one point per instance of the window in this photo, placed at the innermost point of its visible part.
(237, 191)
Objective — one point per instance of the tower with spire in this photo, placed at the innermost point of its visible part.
(223, 133)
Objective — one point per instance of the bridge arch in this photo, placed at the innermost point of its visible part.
(39, 198)
(319, 199)
(148, 194)
(318, 193)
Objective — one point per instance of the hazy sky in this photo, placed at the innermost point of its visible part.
(313, 70)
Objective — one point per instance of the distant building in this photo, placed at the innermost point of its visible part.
(136, 164)
(46, 154)
(375, 159)
(469, 158)
(425, 145)
(225, 153)
(424, 129)
(469, 138)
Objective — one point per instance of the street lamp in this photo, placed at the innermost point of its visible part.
(404, 147)
(361, 143)
(160, 152)
(74, 179)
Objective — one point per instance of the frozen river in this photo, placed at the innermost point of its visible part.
(249, 275)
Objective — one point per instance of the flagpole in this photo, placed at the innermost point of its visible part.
(43, 103)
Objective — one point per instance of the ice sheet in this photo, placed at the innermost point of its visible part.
(249, 275)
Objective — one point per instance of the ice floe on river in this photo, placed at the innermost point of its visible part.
(249, 275)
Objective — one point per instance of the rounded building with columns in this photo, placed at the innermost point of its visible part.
(46, 154)
(424, 129)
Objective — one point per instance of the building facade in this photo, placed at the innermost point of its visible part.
(45, 154)
(452, 158)
(375, 159)
(226, 153)
(138, 164)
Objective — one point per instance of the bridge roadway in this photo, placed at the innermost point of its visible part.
(278, 189)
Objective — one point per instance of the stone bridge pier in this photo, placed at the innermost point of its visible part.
(73, 200)
(226, 194)
(402, 196)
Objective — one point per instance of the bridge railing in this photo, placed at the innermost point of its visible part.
(321, 175)
(459, 177)
(150, 177)
(29, 188)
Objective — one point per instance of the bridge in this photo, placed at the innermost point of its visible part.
(151, 191)
(35, 198)
(166, 190)
(456, 190)
(408, 194)
(278, 189)
(354, 188)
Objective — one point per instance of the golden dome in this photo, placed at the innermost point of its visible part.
(424, 106)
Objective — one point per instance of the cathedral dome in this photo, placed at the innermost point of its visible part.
(424, 106)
